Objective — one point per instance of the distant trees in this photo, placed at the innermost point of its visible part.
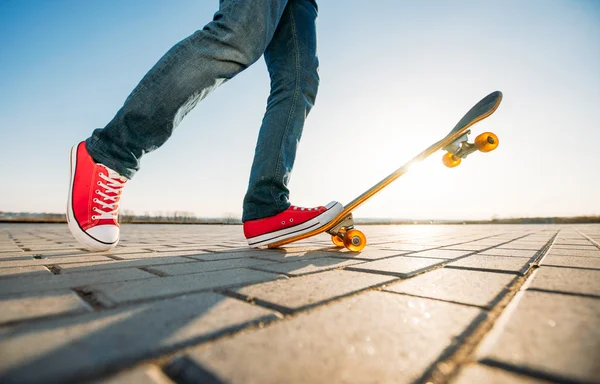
(188, 217)
(126, 216)
(176, 217)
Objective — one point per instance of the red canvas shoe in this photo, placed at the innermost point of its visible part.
(291, 222)
(92, 209)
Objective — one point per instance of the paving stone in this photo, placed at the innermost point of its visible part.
(304, 291)
(216, 248)
(483, 374)
(405, 247)
(574, 252)
(572, 241)
(121, 250)
(369, 253)
(290, 249)
(160, 254)
(12, 255)
(303, 267)
(569, 280)
(114, 293)
(208, 266)
(17, 272)
(29, 261)
(286, 257)
(466, 247)
(167, 245)
(460, 286)
(26, 255)
(218, 256)
(535, 247)
(571, 261)
(541, 240)
(440, 254)
(120, 264)
(320, 241)
(10, 249)
(374, 337)
(24, 307)
(55, 282)
(139, 375)
(557, 335)
(493, 263)
(171, 248)
(489, 242)
(510, 252)
(247, 252)
(402, 266)
(51, 247)
(534, 239)
(315, 292)
(579, 247)
(117, 338)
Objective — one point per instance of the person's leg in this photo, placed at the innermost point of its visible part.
(237, 37)
(188, 72)
(292, 61)
(291, 58)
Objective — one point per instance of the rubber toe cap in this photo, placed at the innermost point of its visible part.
(106, 235)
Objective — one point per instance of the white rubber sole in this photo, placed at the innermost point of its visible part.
(80, 235)
(333, 209)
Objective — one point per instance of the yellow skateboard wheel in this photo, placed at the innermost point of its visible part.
(355, 240)
(337, 240)
(486, 142)
(450, 160)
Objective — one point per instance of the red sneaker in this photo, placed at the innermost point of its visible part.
(93, 204)
(291, 222)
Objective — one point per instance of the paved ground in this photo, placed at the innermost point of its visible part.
(457, 304)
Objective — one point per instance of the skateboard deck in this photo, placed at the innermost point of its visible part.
(341, 228)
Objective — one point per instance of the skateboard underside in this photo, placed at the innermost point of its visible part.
(457, 146)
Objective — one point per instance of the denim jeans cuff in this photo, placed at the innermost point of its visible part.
(255, 213)
(100, 158)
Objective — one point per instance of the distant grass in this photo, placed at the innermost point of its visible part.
(46, 220)
(229, 221)
(55, 220)
(549, 220)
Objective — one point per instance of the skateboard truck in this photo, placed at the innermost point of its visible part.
(346, 223)
(461, 148)
(457, 146)
(343, 234)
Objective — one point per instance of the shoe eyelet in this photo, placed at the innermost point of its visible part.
(98, 183)
(283, 223)
(97, 191)
(291, 220)
(94, 217)
(95, 200)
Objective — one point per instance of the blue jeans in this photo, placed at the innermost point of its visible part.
(240, 33)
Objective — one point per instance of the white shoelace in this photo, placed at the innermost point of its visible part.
(304, 209)
(110, 203)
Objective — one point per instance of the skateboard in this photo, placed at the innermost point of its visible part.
(456, 146)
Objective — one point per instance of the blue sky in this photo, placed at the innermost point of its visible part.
(395, 77)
